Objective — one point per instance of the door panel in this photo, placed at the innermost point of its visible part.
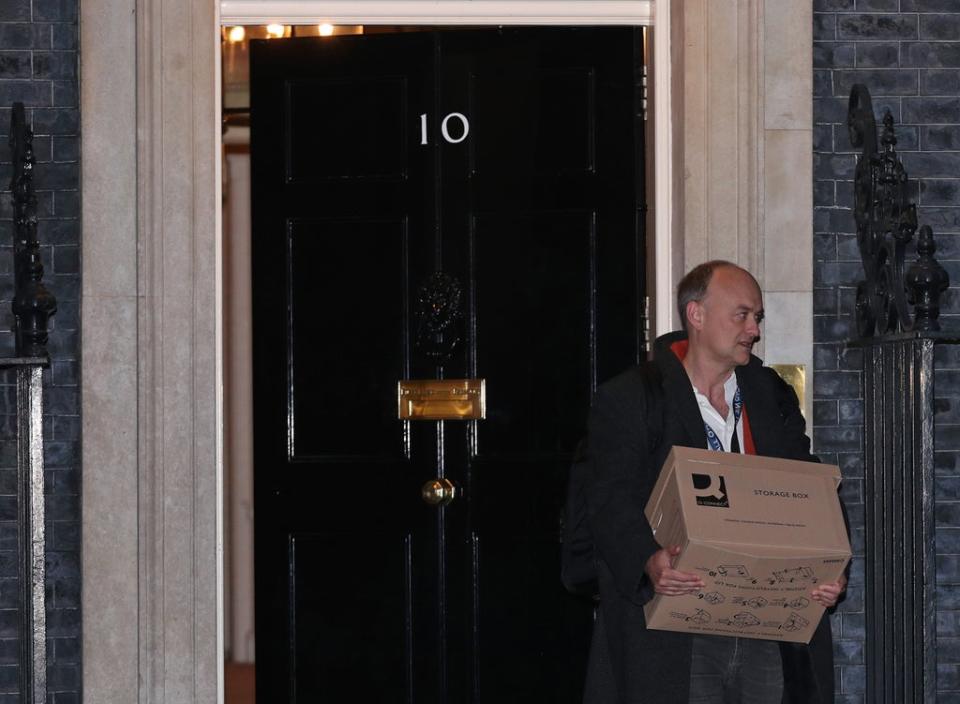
(546, 201)
(366, 637)
(366, 116)
(534, 274)
(365, 592)
(547, 130)
(362, 264)
(339, 211)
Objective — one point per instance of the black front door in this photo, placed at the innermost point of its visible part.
(510, 161)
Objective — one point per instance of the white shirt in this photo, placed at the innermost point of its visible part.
(723, 427)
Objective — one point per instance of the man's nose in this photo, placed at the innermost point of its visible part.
(753, 327)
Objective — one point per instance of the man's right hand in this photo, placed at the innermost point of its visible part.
(667, 580)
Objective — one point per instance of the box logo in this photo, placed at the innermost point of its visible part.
(710, 490)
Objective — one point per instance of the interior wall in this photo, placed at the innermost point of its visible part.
(238, 401)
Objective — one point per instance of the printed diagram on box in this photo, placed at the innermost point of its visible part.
(790, 576)
(698, 616)
(800, 602)
(766, 602)
(744, 619)
(731, 571)
(713, 598)
(753, 602)
(796, 622)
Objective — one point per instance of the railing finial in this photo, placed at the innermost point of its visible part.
(886, 223)
(33, 304)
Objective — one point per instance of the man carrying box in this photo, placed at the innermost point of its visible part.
(711, 393)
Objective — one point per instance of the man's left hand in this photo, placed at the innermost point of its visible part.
(827, 595)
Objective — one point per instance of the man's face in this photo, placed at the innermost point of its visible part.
(728, 319)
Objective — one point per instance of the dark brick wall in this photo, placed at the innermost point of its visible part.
(38, 65)
(907, 52)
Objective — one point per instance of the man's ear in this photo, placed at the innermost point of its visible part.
(694, 315)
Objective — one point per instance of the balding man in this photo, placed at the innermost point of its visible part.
(711, 392)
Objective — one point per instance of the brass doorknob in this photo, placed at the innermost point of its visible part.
(438, 492)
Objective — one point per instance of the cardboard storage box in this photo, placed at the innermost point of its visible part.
(760, 531)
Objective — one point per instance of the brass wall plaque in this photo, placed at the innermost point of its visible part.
(796, 376)
(441, 399)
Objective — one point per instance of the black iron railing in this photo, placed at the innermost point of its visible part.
(897, 314)
(32, 307)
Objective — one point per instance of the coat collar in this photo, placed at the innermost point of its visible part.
(681, 400)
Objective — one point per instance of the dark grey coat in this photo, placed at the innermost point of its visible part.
(630, 664)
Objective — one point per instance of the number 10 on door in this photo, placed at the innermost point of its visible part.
(445, 127)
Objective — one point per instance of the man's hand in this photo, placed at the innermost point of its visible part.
(667, 580)
(827, 594)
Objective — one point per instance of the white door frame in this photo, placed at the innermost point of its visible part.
(438, 12)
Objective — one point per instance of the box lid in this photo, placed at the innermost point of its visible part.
(760, 503)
